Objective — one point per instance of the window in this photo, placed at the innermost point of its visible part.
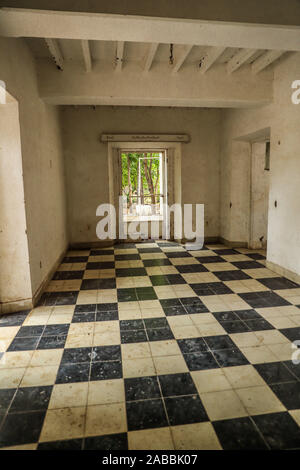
(141, 185)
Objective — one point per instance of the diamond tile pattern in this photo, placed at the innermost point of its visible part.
(149, 344)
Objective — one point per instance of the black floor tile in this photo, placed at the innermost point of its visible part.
(106, 353)
(47, 299)
(66, 298)
(192, 345)
(67, 275)
(279, 430)
(107, 316)
(145, 293)
(174, 310)
(159, 334)
(191, 301)
(21, 428)
(146, 414)
(278, 283)
(31, 399)
(128, 272)
(248, 314)
(210, 259)
(196, 308)
(159, 322)
(263, 299)
(128, 257)
(200, 361)
(124, 246)
(141, 388)
(127, 295)
(259, 324)
(235, 275)
(56, 330)
(288, 393)
(76, 355)
(133, 336)
(111, 442)
(71, 444)
(91, 284)
(293, 367)
(84, 317)
(293, 334)
(256, 256)
(106, 370)
(274, 372)
(68, 373)
(177, 384)
(150, 250)
(185, 410)
(219, 342)
(107, 307)
(191, 268)
(226, 316)
(165, 303)
(148, 263)
(52, 342)
(239, 434)
(6, 396)
(24, 344)
(14, 319)
(175, 279)
(247, 264)
(219, 288)
(131, 325)
(86, 308)
(202, 288)
(28, 331)
(102, 252)
(230, 357)
(226, 252)
(177, 254)
(159, 280)
(236, 326)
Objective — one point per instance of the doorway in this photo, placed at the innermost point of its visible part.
(15, 276)
(259, 194)
(143, 192)
(142, 197)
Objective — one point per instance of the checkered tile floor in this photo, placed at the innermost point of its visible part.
(148, 346)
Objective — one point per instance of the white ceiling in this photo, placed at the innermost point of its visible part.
(133, 51)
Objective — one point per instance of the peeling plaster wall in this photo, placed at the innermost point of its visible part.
(283, 117)
(14, 287)
(87, 162)
(42, 159)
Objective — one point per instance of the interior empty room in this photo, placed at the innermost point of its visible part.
(121, 328)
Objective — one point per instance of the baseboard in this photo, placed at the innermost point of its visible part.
(283, 271)
(108, 243)
(91, 245)
(15, 306)
(38, 293)
(233, 244)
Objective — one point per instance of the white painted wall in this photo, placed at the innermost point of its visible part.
(283, 118)
(15, 282)
(87, 158)
(42, 160)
